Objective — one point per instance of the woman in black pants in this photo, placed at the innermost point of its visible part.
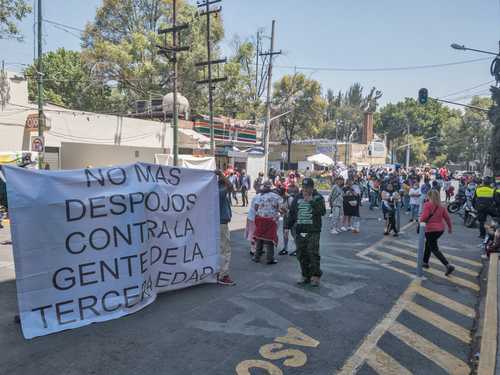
(435, 216)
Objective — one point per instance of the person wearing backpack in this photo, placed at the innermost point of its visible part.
(435, 216)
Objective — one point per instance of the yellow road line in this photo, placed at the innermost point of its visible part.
(384, 364)
(452, 257)
(359, 357)
(438, 321)
(433, 261)
(378, 243)
(388, 266)
(453, 279)
(487, 360)
(447, 302)
(433, 352)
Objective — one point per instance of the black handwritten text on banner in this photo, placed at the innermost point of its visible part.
(96, 244)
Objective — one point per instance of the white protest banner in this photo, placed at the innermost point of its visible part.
(95, 244)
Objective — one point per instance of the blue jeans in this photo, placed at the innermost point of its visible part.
(374, 199)
(406, 203)
(414, 211)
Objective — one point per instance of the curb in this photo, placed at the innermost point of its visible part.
(487, 359)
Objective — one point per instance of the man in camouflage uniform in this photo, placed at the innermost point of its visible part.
(305, 214)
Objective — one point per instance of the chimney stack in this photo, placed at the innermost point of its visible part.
(368, 128)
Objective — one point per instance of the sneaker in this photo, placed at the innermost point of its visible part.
(351, 228)
(293, 253)
(226, 280)
(343, 229)
(386, 233)
(334, 231)
(396, 235)
(283, 252)
(315, 281)
(274, 261)
(425, 265)
(303, 281)
(449, 270)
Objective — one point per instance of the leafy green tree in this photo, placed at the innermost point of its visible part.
(68, 82)
(122, 43)
(476, 132)
(11, 12)
(494, 116)
(429, 121)
(237, 97)
(418, 149)
(301, 96)
(346, 112)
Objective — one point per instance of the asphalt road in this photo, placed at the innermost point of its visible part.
(268, 325)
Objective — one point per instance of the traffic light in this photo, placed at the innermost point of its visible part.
(423, 95)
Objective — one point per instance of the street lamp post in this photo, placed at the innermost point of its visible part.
(464, 48)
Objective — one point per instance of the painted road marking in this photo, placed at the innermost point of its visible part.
(276, 350)
(369, 353)
(383, 363)
(440, 274)
(452, 257)
(438, 321)
(354, 363)
(434, 261)
(447, 302)
(431, 351)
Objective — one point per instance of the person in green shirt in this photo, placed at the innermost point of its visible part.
(305, 216)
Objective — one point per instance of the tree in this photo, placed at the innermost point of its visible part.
(494, 116)
(301, 96)
(121, 43)
(476, 132)
(237, 97)
(68, 82)
(346, 112)
(11, 12)
(429, 121)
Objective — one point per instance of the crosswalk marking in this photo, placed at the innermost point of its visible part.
(383, 363)
(431, 351)
(453, 279)
(354, 363)
(452, 257)
(432, 261)
(439, 322)
(447, 302)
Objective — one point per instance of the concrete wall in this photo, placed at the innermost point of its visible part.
(80, 155)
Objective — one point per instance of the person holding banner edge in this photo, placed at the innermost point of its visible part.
(225, 189)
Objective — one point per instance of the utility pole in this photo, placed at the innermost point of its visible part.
(209, 63)
(171, 54)
(267, 124)
(39, 75)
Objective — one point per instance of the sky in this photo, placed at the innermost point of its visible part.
(326, 34)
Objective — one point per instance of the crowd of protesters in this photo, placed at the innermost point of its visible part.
(292, 198)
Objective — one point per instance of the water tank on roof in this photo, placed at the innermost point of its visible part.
(182, 104)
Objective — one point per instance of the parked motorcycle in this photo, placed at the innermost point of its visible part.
(470, 214)
(456, 205)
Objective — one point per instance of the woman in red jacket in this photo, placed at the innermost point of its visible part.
(435, 216)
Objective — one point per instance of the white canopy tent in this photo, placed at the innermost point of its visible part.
(321, 160)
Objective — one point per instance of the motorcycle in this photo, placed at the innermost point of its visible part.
(470, 214)
(456, 205)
